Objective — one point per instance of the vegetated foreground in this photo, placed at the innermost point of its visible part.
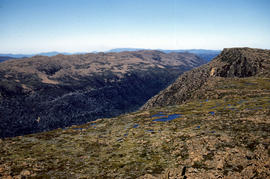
(226, 134)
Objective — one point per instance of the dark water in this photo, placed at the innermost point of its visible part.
(169, 118)
(212, 112)
(160, 114)
(136, 125)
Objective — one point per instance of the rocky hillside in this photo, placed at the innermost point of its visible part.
(231, 63)
(4, 58)
(228, 137)
(43, 93)
(222, 130)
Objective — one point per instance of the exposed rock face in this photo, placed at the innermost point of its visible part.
(242, 62)
(44, 93)
(181, 90)
(231, 63)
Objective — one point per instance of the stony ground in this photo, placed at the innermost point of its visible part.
(226, 136)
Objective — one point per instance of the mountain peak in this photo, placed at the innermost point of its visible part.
(241, 62)
(231, 63)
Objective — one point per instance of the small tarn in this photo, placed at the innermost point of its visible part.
(169, 118)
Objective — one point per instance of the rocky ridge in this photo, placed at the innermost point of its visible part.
(231, 63)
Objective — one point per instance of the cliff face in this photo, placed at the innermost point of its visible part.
(43, 93)
(242, 62)
(231, 63)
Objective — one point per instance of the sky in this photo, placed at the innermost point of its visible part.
(33, 26)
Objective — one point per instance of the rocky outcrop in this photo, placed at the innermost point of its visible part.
(241, 62)
(181, 90)
(231, 63)
(43, 93)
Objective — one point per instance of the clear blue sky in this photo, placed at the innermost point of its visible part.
(31, 26)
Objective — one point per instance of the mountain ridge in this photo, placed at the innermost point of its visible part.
(232, 62)
(205, 54)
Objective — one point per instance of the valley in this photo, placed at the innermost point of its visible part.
(212, 122)
(43, 93)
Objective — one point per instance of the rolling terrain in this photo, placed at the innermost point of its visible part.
(43, 93)
(207, 55)
(202, 53)
(4, 58)
(212, 122)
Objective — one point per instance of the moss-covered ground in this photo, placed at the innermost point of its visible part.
(226, 134)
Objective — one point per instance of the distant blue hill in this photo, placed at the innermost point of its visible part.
(125, 49)
(49, 54)
(4, 58)
(203, 53)
(196, 51)
(8, 56)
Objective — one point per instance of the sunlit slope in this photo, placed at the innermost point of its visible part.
(228, 135)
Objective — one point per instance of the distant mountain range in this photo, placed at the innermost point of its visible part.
(204, 54)
(49, 54)
(196, 51)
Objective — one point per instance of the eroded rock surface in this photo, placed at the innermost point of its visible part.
(231, 63)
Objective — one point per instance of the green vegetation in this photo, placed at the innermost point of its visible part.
(224, 136)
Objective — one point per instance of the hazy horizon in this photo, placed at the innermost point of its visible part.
(29, 26)
(77, 52)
